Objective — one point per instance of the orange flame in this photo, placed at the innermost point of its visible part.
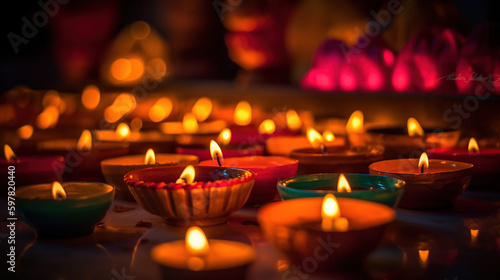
(355, 122)
(267, 127)
(293, 120)
(122, 131)
(190, 123)
(343, 184)
(314, 138)
(224, 137)
(202, 108)
(414, 128)
(160, 110)
(48, 117)
(91, 96)
(25, 131)
(328, 136)
(423, 255)
(423, 163)
(85, 141)
(58, 192)
(216, 152)
(243, 113)
(473, 146)
(150, 157)
(187, 176)
(197, 247)
(331, 219)
(473, 235)
(9, 154)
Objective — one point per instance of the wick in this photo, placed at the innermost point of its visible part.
(323, 149)
(218, 159)
(181, 181)
(422, 169)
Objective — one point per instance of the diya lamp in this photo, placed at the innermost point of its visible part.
(230, 150)
(486, 162)
(28, 170)
(323, 159)
(381, 189)
(191, 126)
(269, 170)
(70, 209)
(284, 145)
(83, 157)
(197, 257)
(345, 229)
(114, 169)
(186, 196)
(431, 183)
(138, 141)
(412, 140)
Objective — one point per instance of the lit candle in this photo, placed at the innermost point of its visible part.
(68, 210)
(330, 215)
(355, 129)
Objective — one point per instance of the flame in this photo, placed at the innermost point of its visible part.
(423, 163)
(25, 131)
(314, 138)
(187, 176)
(161, 109)
(48, 117)
(293, 120)
(150, 157)
(355, 122)
(224, 137)
(58, 191)
(328, 136)
(331, 219)
(91, 97)
(243, 113)
(122, 130)
(267, 127)
(414, 128)
(423, 255)
(202, 108)
(473, 146)
(215, 151)
(343, 184)
(190, 123)
(473, 235)
(197, 247)
(123, 104)
(85, 141)
(9, 154)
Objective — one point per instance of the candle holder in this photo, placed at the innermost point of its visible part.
(218, 192)
(114, 169)
(230, 150)
(86, 204)
(381, 189)
(438, 187)
(284, 145)
(337, 159)
(294, 228)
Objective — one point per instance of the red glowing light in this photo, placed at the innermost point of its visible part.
(401, 78)
(321, 79)
(347, 79)
(388, 58)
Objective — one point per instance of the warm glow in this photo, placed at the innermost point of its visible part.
(150, 157)
(243, 113)
(216, 152)
(58, 191)
(139, 30)
(196, 242)
(423, 163)
(343, 184)
(293, 120)
(9, 154)
(122, 131)
(224, 137)
(314, 138)
(121, 69)
(91, 97)
(187, 176)
(25, 131)
(267, 127)
(161, 109)
(414, 128)
(136, 124)
(51, 98)
(202, 108)
(48, 117)
(473, 146)
(328, 136)
(423, 255)
(473, 235)
(123, 104)
(355, 122)
(85, 141)
(331, 219)
(137, 69)
(190, 123)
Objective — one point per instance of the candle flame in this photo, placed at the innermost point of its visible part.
(355, 122)
(9, 154)
(293, 120)
(331, 219)
(122, 131)
(473, 146)
(423, 163)
(414, 128)
(91, 96)
(314, 138)
(197, 247)
(48, 117)
(150, 157)
(160, 110)
(343, 184)
(423, 255)
(243, 113)
(190, 123)
(267, 127)
(187, 176)
(123, 104)
(25, 131)
(328, 136)
(58, 192)
(85, 141)
(202, 108)
(473, 235)
(216, 152)
(224, 137)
